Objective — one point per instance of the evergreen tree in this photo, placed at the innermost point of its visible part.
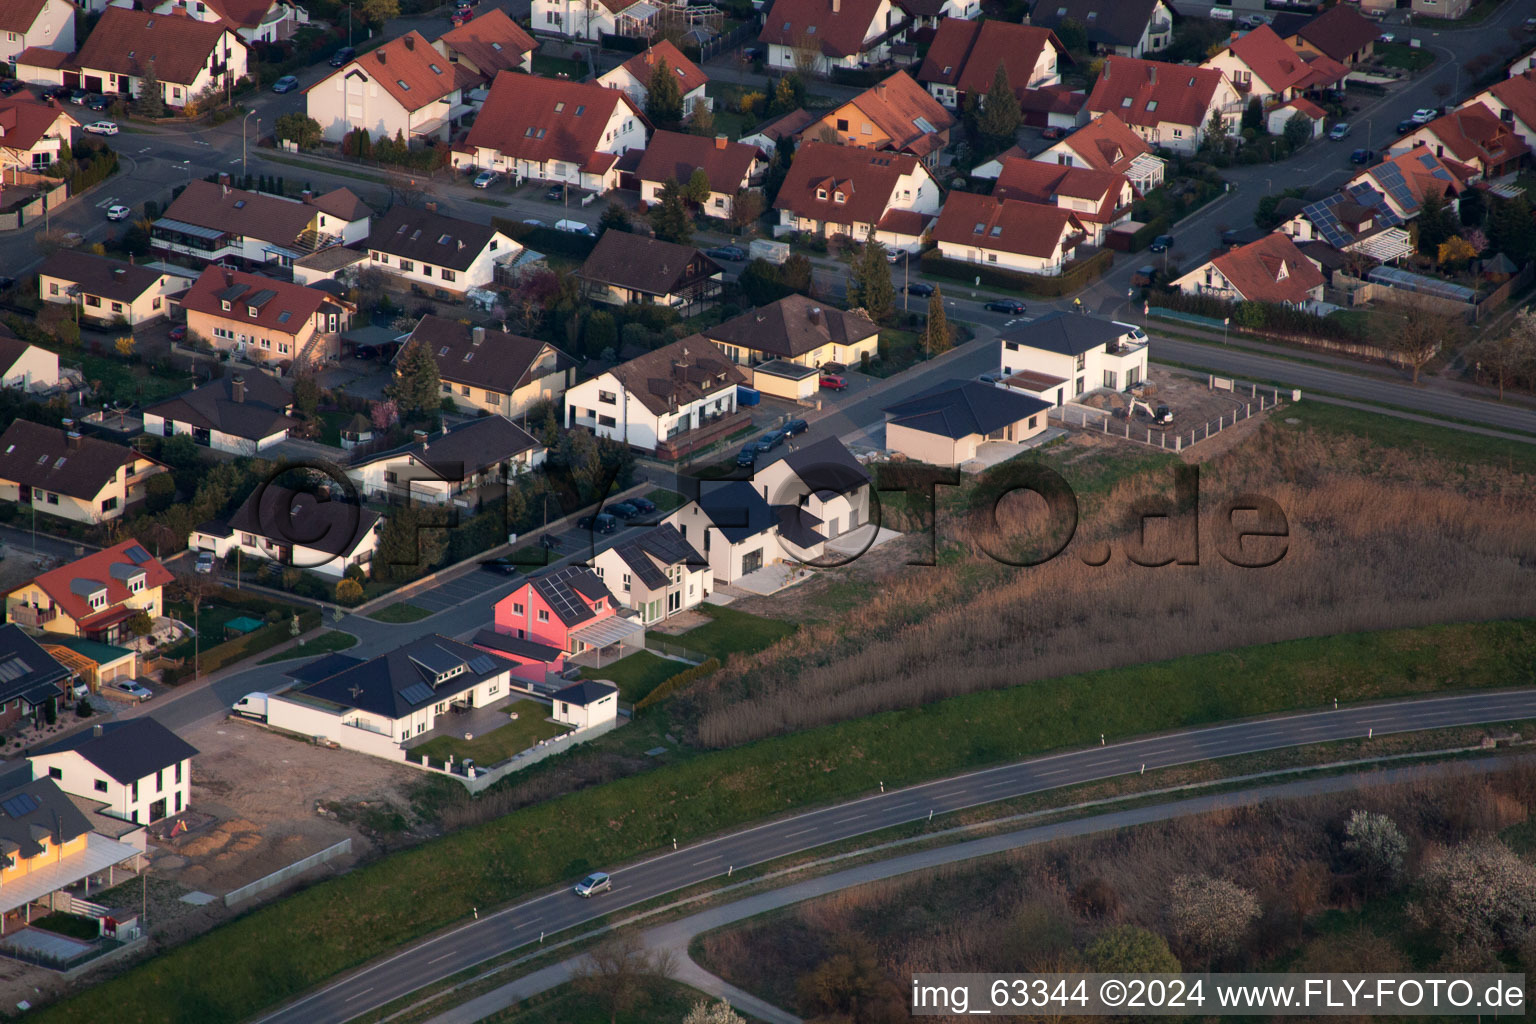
(1510, 228)
(670, 218)
(663, 96)
(1253, 116)
(615, 218)
(697, 189)
(1433, 223)
(1216, 131)
(1298, 130)
(151, 102)
(417, 387)
(869, 283)
(1000, 114)
(936, 337)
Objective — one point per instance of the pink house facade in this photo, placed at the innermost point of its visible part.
(554, 617)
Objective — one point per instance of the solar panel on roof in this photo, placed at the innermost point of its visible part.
(12, 668)
(484, 663)
(19, 805)
(436, 660)
(137, 555)
(416, 693)
(1426, 160)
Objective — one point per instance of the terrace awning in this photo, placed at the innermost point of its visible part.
(181, 227)
(612, 630)
(99, 854)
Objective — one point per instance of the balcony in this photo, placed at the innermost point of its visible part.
(25, 615)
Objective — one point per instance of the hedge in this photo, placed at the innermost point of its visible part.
(628, 44)
(667, 687)
(242, 647)
(1081, 274)
(546, 240)
(1148, 232)
(861, 77)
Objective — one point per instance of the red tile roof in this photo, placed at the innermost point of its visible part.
(281, 305)
(1340, 32)
(806, 22)
(241, 212)
(675, 155)
(492, 42)
(1270, 270)
(1474, 134)
(1278, 66)
(24, 121)
(18, 15)
(965, 54)
(1148, 92)
(1323, 72)
(408, 68)
(246, 14)
(1039, 182)
(1106, 144)
(901, 109)
(124, 42)
(1005, 225)
(99, 568)
(689, 76)
(42, 57)
(1423, 172)
(539, 119)
(865, 178)
(1305, 106)
(1519, 95)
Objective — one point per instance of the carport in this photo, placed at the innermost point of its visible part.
(606, 640)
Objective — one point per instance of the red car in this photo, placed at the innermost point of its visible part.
(834, 382)
(1053, 133)
(179, 332)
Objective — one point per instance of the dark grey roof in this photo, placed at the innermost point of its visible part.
(1067, 334)
(798, 525)
(588, 691)
(323, 667)
(825, 467)
(1116, 22)
(737, 510)
(462, 451)
(430, 237)
(26, 670)
(297, 517)
(1288, 23)
(261, 411)
(645, 264)
(662, 544)
(127, 751)
(791, 327)
(531, 649)
(34, 810)
(493, 360)
(35, 455)
(563, 590)
(398, 683)
(960, 408)
(214, 528)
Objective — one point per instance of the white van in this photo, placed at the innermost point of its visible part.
(252, 705)
(574, 227)
(1222, 14)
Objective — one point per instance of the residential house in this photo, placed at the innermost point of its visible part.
(738, 532)
(94, 663)
(823, 478)
(213, 223)
(49, 846)
(264, 320)
(1355, 219)
(656, 574)
(29, 367)
(677, 397)
(445, 255)
(896, 115)
(377, 706)
(254, 21)
(40, 66)
(62, 473)
(1472, 135)
(190, 57)
(948, 423)
(841, 190)
(486, 45)
(1280, 115)
(32, 134)
(730, 168)
(1126, 28)
(797, 330)
(46, 24)
(565, 612)
(92, 597)
(336, 264)
(403, 89)
(501, 373)
(964, 57)
(1010, 234)
(586, 704)
(296, 530)
(593, 19)
(1100, 200)
(930, 15)
(1081, 353)
(767, 135)
(1260, 66)
(106, 290)
(1445, 9)
(139, 769)
(1269, 270)
(1340, 33)
(816, 36)
(633, 77)
(457, 466)
(627, 268)
(30, 678)
(1406, 178)
(1168, 105)
(553, 130)
(1105, 144)
(241, 414)
(1513, 100)
(1525, 62)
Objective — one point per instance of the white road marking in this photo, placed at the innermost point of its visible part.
(525, 924)
(999, 782)
(360, 994)
(1095, 764)
(706, 860)
(800, 833)
(856, 817)
(445, 956)
(1058, 771)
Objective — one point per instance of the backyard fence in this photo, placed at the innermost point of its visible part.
(672, 650)
(282, 875)
(483, 778)
(710, 48)
(1176, 441)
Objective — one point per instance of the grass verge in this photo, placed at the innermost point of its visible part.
(326, 643)
(403, 611)
(636, 675)
(732, 632)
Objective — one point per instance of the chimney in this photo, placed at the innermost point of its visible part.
(419, 436)
(237, 388)
(67, 423)
(720, 141)
(72, 440)
(224, 178)
(837, 6)
(382, 55)
(96, 730)
(476, 335)
(229, 279)
(1152, 73)
(680, 369)
(410, 42)
(307, 196)
(815, 314)
(430, 207)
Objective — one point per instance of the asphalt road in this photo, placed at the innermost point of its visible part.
(494, 934)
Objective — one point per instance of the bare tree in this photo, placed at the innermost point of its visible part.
(196, 588)
(1423, 335)
(719, 1013)
(1377, 846)
(621, 972)
(1506, 359)
(1210, 916)
(1481, 895)
(806, 52)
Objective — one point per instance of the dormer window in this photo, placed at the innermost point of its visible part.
(253, 311)
(224, 306)
(821, 193)
(838, 197)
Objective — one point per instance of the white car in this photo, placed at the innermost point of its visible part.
(204, 562)
(1387, 37)
(132, 690)
(1423, 115)
(118, 212)
(102, 128)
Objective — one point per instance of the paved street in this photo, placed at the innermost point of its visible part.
(495, 934)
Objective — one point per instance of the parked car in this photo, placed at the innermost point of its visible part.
(596, 882)
(343, 55)
(730, 253)
(574, 227)
(771, 440)
(79, 96)
(130, 688)
(118, 212)
(485, 179)
(98, 102)
(1405, 126)
(833, 382)
(178, 333)
(8, 86)
(622, 509)
(1361, 156)
(645, 505)
(1424, 115)
(534, 222)
(991, 377)
(287, 83)
(101, 128)
(1339, 131)
(748, 455)
(365, 352)
(919, 288)
(556, 193)
(501, 566)
(1387, 37)
(204, 562)
(1162, 243)
(600, 523)
(1013, 306)
(795, 427)
(1053, 132)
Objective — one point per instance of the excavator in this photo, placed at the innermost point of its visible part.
(1162, 416)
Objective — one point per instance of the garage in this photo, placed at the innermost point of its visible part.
(783, 379)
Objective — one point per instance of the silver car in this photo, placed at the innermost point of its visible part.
(130, 688)
(593, 884)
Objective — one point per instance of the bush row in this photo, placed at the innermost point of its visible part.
(667, 687)
(1081, 274)
(546, 240)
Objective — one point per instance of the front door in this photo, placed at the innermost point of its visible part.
(157, 810)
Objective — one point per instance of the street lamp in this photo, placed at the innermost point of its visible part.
(243, 120)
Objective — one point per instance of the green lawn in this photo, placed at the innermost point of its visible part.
(546, 66)
(210, 619)
(1404, 57)
(329, 641)
(273, 952)
(330, 427)
(404, 611)
(731, 632)
(126, 383)
(531, 726)
(636, 674)
(665, 1002)
(76, 927)
(1406, 435)
(898, 350)
(665, 500)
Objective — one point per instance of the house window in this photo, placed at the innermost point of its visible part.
(625, 584)
(448, 275)
(1110, 377)
(109, 504)
(543, 615)
(842, 124)
(55, 773)
(607, 397)
(93, 300)
(1032, 420)
(517, 609)
(492, 398)
(53, 288)
(406, 266)
(178, 773)
(868, 129)
(607, 421)
(135, 792)
(1082, 360)
(464, 390)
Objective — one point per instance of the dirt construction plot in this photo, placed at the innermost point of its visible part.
(1193, 402)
